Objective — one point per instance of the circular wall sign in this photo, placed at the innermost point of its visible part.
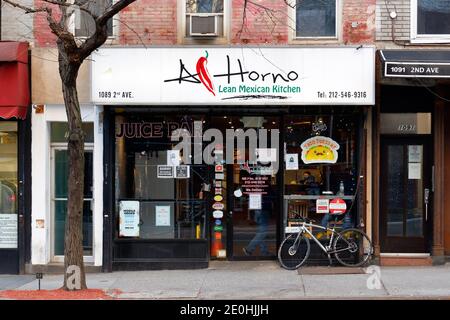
(338, 206)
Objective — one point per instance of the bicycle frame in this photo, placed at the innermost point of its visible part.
(304, 228)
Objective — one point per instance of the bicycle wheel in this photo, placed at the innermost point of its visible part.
(293, 251)
(352, 247)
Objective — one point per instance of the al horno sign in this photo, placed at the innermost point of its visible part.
(140, 76)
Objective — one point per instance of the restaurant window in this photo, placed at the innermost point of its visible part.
(158, 195)
(204, 18)
(321, 162)
(430, 19)
(84, 24)
(315, 19)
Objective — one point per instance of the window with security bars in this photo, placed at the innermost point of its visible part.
(84, 22)
(204, 18)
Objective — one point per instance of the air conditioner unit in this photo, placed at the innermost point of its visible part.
(203, 25)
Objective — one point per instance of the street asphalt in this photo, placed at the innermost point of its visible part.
(257, 280)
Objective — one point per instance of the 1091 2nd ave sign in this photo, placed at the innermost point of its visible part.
(417, 70)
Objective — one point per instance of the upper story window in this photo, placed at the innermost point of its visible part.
(204, 18)
(84, 24)
(430, 20)
(315, 18)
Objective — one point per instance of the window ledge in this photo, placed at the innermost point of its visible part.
(431, 40)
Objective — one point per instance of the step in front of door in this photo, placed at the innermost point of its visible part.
(405, 259)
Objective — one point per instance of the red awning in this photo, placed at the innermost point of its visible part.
(14, 80)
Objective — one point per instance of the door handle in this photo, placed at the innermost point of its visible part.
(426, 199)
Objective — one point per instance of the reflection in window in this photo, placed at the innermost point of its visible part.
(433, 17)
(169, 208)
(315, 18)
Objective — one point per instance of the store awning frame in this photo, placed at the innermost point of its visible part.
(416, 63)
(14, 80)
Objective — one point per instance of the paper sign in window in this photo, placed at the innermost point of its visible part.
(414, 171)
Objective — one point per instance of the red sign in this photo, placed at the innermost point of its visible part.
(337, 206)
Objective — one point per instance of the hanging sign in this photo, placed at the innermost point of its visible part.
(218, 228)
(129, 219)
(338, 206)
(319, 150)
(218, 198)
(8, 231)
(219, 168)
(218, 222)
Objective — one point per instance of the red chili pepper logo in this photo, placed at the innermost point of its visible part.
(203, 73)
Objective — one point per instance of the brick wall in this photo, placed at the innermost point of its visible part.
(16, 26)
(261, 26)
(358, 21)
(42, 33)
(401, 23)
(155, 21)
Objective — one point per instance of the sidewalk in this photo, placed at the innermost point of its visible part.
(255, 280)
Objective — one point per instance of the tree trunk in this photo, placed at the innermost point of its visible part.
(74, 277)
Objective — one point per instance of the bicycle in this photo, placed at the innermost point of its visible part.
(351, 247)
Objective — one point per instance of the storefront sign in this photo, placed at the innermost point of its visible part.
(162, 216)
(129, 219)
(322, 206)
(338, 206)
(8, 231)
(417, 70)
(218, 228)
(218, 198)
(165, 172)
(218, 222)
(319, 150)
(307, 76)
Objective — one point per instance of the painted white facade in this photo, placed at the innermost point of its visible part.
(41, 172)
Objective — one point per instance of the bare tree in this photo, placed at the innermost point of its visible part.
(71, 54)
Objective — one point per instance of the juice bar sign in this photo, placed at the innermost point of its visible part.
(212, 76)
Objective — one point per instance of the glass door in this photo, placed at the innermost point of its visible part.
(9, 252)
(59, 202)
(252, 194)
(406, 194)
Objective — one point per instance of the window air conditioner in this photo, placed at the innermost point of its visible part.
(203, 25)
